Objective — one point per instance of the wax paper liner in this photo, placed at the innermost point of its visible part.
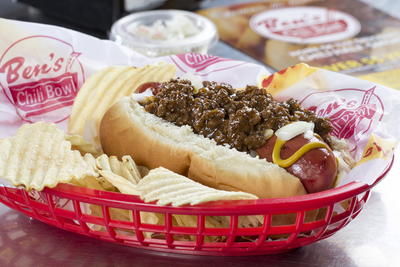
(42, 68)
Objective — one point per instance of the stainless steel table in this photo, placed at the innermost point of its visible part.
(372, 239)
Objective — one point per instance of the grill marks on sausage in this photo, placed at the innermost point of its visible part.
(239, 118)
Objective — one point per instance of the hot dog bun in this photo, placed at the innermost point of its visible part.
(127, 129)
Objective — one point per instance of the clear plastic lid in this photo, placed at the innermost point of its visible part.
(165, 32)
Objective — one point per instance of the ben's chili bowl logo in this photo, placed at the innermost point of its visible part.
(353, 112)
(305, 25)
(41, 77)
(202, 64)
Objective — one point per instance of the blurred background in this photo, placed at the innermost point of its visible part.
(96, 16)
(91, 16)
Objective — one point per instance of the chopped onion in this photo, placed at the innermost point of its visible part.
(293, 129)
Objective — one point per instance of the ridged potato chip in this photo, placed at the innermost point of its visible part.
(91, 160)
(170, 188)
(38, 156)
(106, 87)
(130, 170)
(125, 168)
(164, 185)
(83, 146)
(123, 185)
(88, 182)
(127, 187)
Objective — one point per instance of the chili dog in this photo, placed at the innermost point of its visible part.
(227, 139)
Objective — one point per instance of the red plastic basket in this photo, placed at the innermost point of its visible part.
(63, 207)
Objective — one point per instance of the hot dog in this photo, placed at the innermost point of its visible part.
(316, 168)
(231, 142)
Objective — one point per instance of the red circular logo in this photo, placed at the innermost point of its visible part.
(305, 25)
(42, 76)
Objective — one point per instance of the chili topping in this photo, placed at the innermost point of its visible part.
(241, 118)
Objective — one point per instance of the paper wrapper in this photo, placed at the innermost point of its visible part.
(42, 68)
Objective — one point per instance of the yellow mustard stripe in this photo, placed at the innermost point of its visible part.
(284, 163)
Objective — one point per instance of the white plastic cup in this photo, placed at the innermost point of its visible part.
(198, 43)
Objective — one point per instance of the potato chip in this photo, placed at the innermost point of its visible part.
(170, 188)
(182, 220)
(38, 156)
(125, 168)
(91, 160)
(143, 170)
(123, 185)
(92, 182)
(131, 169)
(124, 215)
(127, 187)
(250, 221)
(88, 182)
(83, 146)
(106, 87)
(283, 79)
(115, 214)
(104, 184)
(191, 221)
